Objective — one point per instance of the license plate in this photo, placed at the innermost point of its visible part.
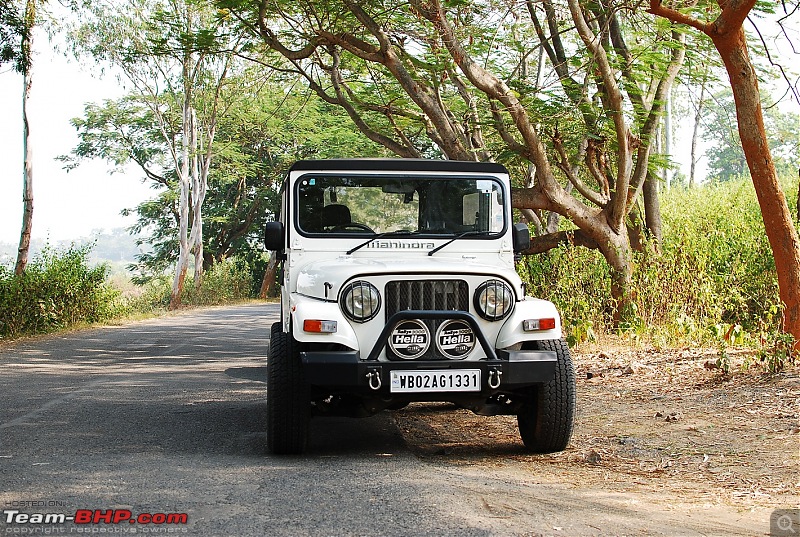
(462, 380)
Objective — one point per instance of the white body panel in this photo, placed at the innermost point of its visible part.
(316, 269)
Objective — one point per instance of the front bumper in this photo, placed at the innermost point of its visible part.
(344, 371)
(502, 371)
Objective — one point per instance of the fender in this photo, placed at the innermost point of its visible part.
(529, 308)
(303, 308)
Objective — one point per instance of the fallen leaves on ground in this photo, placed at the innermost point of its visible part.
(648, 418)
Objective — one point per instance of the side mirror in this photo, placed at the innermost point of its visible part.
(521, 237)
(274, 237)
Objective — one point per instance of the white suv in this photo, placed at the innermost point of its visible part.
(398, 285)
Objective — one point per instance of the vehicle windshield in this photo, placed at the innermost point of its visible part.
(365, 205)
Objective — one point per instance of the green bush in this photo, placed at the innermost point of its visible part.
(226, 281)
(150, 297)
(715, 267)
(57, 290)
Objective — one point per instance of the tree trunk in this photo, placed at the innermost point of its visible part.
(201, 187)
(269, 276)
(778, 221)
(668, 140)
(185, 172)
(698, 114)
(197, 196)
(618, 254)
(27, 146)
(652, 210)
(27, 181)
(635, 225)
(182, 265)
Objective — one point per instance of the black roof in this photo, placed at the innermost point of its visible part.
(399, 164)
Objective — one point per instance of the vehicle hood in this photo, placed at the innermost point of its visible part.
(324, 279)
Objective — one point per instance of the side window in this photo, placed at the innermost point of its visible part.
(309, 207)
(483, 211)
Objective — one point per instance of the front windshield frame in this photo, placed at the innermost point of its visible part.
(486, 193)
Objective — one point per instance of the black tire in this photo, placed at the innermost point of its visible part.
(546, 420)
(288, 396)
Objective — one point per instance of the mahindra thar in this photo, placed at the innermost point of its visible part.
(398, 286)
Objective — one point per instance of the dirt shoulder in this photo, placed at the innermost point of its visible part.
(653, 422)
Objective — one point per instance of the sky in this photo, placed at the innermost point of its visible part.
(66, 205)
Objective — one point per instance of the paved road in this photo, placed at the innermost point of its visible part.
(167, 416)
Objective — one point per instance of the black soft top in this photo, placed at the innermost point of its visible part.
(398, 164)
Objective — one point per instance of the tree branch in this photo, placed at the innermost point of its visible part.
(616, 209)
(336, 79)
(657, 8)
(545, 243)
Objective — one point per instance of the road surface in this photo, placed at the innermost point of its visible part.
(166, 416)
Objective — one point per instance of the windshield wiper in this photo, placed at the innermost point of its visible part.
(380, 236)
(456, 237)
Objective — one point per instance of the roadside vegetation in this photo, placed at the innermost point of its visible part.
(58, 290)
(711, 282)
(222, 96)
(63, 289)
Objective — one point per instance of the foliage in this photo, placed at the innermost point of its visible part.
(230, 280)
(11, 30)
(714, 279)
(264, 130)
(57, 290)
(725, 155)
(776, 350)
(567, 94)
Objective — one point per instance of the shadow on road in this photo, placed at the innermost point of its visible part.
(256, 373)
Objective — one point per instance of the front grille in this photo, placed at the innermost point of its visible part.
(426, 295)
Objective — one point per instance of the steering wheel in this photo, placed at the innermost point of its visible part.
(353, 225)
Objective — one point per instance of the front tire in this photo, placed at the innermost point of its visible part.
(288, 396)
(546, 419)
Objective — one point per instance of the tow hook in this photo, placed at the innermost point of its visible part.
(374, 379)
(494, 378)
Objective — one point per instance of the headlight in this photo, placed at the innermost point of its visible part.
(360, 301)
(493, 300)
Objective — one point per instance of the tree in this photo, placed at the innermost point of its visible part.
(12, 28)
(177, 50)
(264, 129)
(728, 36)
(25, 65)
(699, 105)
(726, 159)
(458, 75)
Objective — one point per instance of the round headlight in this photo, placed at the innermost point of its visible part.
(493, 300)
(360, 301)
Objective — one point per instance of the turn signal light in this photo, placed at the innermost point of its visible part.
(320, 327)
(530, 325)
